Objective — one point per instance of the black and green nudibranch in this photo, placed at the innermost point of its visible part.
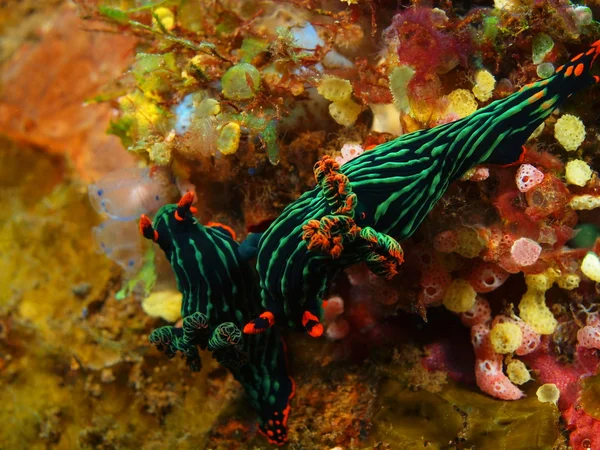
(220, 294)
(359, 212)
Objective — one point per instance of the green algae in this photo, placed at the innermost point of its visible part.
(241, 82)
(155, 74)
(75, 366)
(590, 396)
(409, 420)
(251, 48)
(542, 45)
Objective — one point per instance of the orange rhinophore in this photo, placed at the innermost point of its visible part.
(146, 228)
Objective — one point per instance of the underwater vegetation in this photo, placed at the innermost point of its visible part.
(407, 194)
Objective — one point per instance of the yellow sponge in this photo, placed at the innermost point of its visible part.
(164, 304)
(462, 102)
(166, 17)
(548, 393)
(578, 172)
(484, 85)
(506, 337)
(541, 282)
(535, 312)
(569, 131)
(229, 139)
(517, 372)
(460, 296)
(344, 112)
(569, 282)
(470, 243)
(586, 202)
(335, 89)
(591, 267)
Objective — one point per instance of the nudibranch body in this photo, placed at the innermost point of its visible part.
(359, 211)
(220, 294)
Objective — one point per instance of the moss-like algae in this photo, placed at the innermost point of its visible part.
(459, 417)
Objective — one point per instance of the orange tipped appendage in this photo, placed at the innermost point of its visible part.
(146, 229)
(186, 201)
(265, 321)
(313, 327)
(185, 205)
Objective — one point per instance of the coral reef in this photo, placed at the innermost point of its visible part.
(455, 132)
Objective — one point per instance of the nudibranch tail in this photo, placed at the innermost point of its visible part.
(220, 293)
(274, 414)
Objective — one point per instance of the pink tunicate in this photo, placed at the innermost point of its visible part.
(527, 177)
(446, 241)
(488, 367)
(338, 329)
(525, 252)
(480, 313)
(480, 174)
(530, 340)
(349, 152)
(333, 307)
(589, 337)
(434, 283)
(486, 277)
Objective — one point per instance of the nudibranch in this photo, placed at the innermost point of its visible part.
(220, 294)
(359, 212)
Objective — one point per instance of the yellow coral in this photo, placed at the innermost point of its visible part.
(578, 172)
(165, 16)
(470, 243)
(484, 85)
(143, 112)
(591, 267)
(517, 372)
(534, 311)
(208, 107)
(460, 296)
(345, 112)
(541, 282)
(506, 337)
(585, 202)
(335, 89)
(569, 282)
(462, 102)
(164, 304)
(229, 139)
(548, 393)
(570, 132)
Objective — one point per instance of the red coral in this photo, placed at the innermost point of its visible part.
(548, 198)
(585, 430)
(418, 36)
(566, 377)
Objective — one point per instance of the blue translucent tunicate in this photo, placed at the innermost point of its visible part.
(121, 242)
(183, 111)
(126, 193)
(306, 37)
